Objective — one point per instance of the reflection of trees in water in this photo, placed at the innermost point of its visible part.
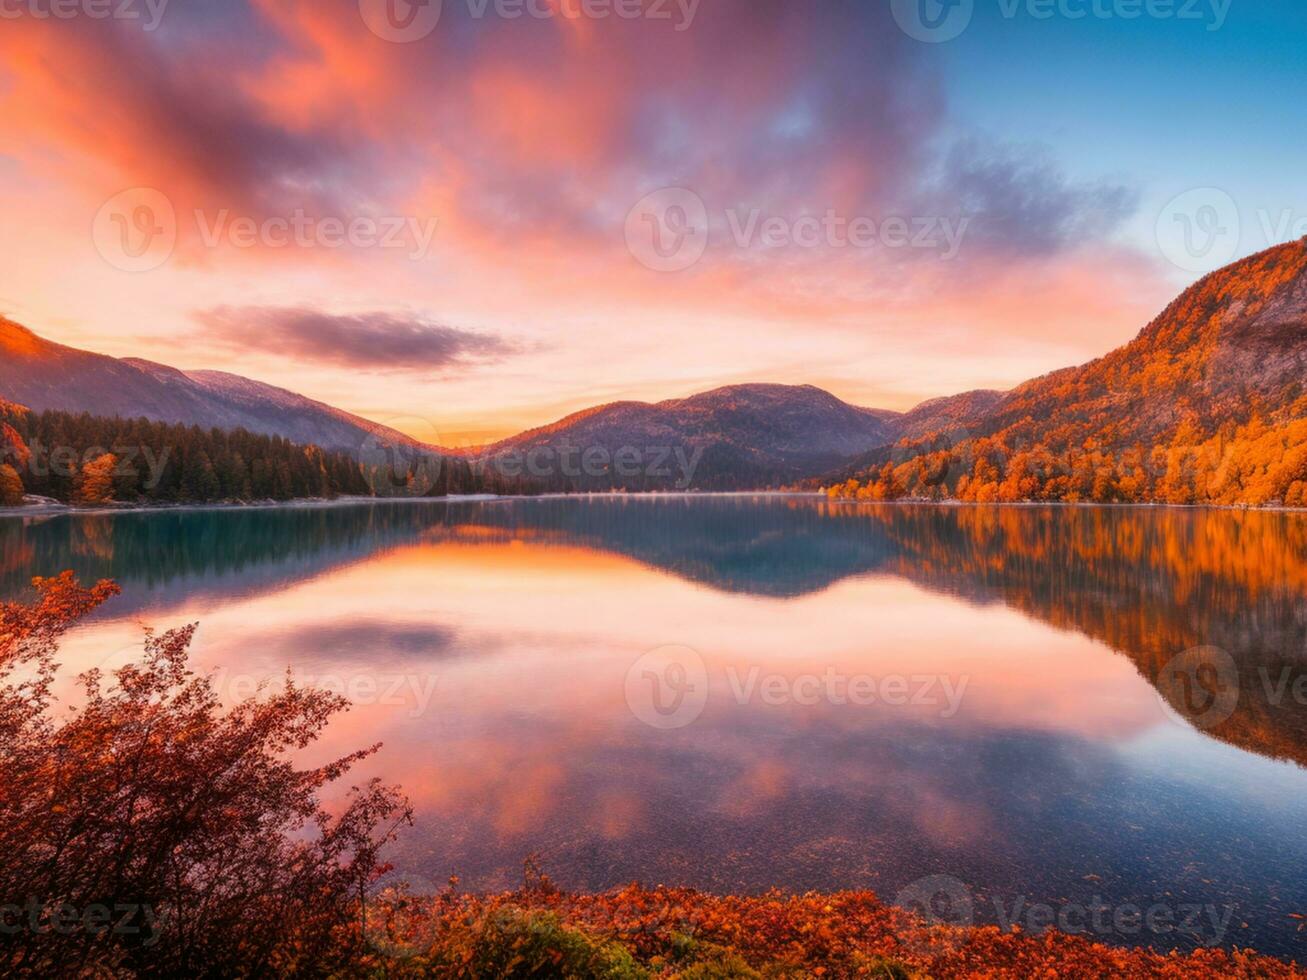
(1150, 583)
(217, 553)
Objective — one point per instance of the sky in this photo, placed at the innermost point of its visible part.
(463, 218)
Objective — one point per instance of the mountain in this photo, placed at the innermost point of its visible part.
(952, 417)
(43, 375)
(748, 436)
(737, 437)
(1205, 405)
(950, 413)
(1233, 342)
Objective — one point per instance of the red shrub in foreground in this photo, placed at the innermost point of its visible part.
(676, 932)
(152, 832)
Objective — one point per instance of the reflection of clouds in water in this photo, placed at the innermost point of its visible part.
(392, 641)
(751, 803)
(741, 809)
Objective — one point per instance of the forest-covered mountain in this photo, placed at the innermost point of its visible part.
(1206, 405)
(952, 413)
(92, 461)
(43, 375)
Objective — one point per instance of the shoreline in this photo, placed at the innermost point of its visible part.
(54, 508)
(50, 508)
(835, 934)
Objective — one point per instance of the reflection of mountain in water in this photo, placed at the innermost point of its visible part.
(780, 547)
(761, 546)
(1150, 583)
(162, 558)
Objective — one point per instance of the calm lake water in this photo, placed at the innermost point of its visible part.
(737, 693)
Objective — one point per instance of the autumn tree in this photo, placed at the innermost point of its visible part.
(11, 486)
(192, 826)
(13, 449)
(95, 481)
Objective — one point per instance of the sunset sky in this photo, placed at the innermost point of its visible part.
(504, 278)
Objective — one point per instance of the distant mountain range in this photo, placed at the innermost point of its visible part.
(739, 437)
(747, 436)
(1205, 405)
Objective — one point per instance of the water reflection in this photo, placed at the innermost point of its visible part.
(489, 647)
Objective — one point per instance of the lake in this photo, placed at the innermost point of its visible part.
(1093, 714)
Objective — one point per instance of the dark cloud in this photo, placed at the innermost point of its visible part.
(1021, 202)
(363, 340)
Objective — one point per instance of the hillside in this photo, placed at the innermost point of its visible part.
(1234, 341)
(1206, 405)
(43, 375)
(950, 413)
(737, 437)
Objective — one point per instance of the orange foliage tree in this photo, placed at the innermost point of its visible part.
(11, 486)
(154, 833)
(94, 483)
(14, 454)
